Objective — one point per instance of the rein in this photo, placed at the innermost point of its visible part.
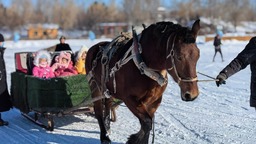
(213, 79)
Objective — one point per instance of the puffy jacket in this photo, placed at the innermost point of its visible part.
(42, 71)
(244, 58)
(80, 66)
(80, 62)
(217, 41)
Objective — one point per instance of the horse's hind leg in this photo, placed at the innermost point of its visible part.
(102, 115)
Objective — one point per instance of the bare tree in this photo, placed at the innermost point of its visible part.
(96, 13)
(114, 14)
(68, 14)
(236, 11)
(43, 11)
(141, 11)
(9, 17)
(24, 9)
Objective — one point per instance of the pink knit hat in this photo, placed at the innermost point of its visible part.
(62, 55)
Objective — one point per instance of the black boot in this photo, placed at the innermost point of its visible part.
(3, 123)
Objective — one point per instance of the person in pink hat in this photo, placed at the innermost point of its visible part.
(63, 65)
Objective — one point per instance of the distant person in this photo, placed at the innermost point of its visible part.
(80, 60)
(5, 99)
(92, 35)
(63, 46)
(42, 67)
(244, 58)
(16, 37)
(217, 43)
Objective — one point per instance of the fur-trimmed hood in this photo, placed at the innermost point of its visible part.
(42, 54)
(82, 49)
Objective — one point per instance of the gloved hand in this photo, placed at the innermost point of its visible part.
(221, 79)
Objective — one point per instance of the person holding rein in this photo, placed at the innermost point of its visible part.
(246, 57)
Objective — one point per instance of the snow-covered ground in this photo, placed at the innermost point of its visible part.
(220, 115)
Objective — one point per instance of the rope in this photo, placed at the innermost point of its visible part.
(213, 79)
(207, 80)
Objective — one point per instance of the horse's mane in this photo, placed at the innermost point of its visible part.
(165, 29)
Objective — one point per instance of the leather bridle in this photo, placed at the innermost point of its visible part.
(171, 54)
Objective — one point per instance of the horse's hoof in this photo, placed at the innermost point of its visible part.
(106, 142)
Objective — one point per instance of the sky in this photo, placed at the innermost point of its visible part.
(89, 2)
(8, 2)
(166, 3)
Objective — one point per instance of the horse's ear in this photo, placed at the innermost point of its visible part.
(196, 27)
(144, 26)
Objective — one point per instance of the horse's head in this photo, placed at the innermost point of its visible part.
(171, 47)
(182, 58)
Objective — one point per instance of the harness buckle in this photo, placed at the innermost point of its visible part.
(107, 93)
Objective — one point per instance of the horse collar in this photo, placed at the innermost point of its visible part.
(144, 69)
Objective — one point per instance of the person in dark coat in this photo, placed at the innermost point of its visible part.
(244, 58)
(217, 43)
(5, 100)
(62, 46)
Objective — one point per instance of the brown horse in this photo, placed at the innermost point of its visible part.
(136, 73)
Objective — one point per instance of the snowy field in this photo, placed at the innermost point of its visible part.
(220, 115)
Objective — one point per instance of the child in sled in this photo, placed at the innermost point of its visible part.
(63, 65)
(42, 67)
(80, 60)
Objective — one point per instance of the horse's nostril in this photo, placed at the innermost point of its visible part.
(187, 97)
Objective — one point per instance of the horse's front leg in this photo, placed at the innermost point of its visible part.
(142, 136)
(144, 111)
(146, 125)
